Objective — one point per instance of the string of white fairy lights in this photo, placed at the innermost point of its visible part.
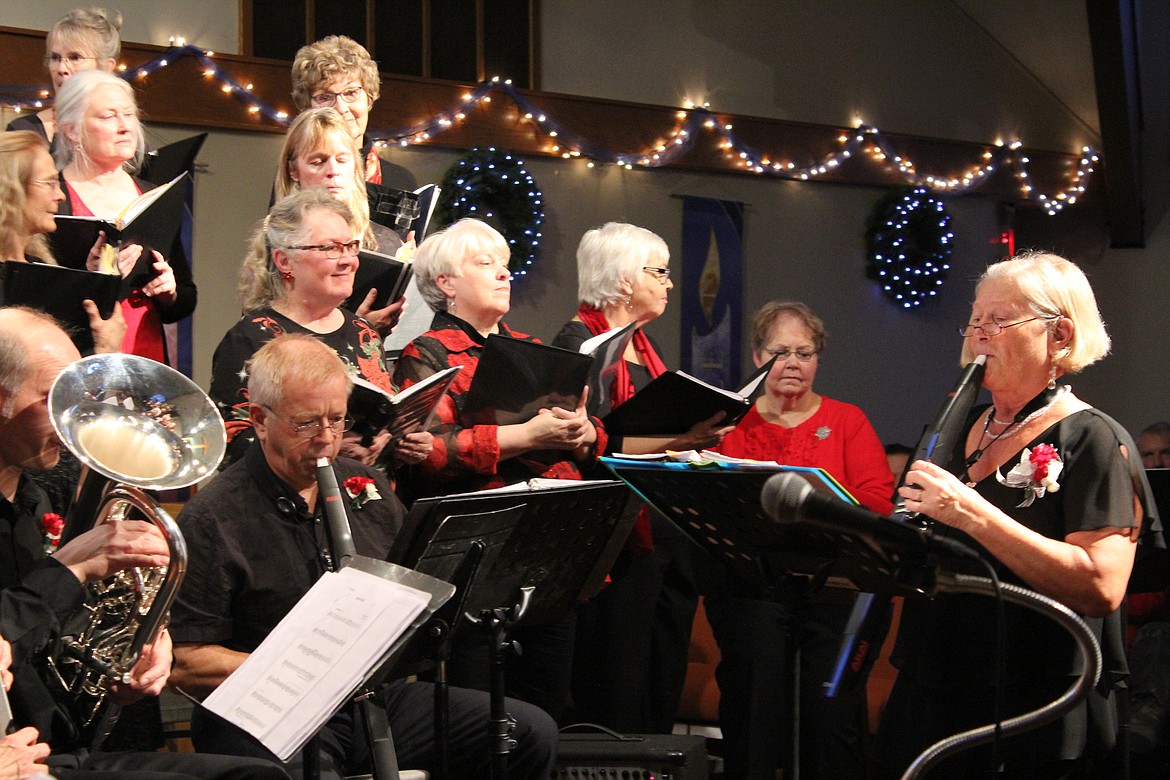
(692, 121)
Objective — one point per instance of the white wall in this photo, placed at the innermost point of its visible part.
(211, 24)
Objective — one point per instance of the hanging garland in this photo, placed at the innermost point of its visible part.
(492, 185)
(908, 245)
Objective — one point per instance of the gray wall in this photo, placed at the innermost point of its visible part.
(964, 70)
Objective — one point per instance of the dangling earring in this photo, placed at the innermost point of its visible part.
(1052, 378)
(628, 300)
(450, 305)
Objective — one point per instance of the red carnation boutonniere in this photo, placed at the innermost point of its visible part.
(52, 524)
(360, 491)
(1037, 473)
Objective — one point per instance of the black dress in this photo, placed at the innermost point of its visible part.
(945, 646)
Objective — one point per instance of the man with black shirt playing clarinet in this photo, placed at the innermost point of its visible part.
(257, 544)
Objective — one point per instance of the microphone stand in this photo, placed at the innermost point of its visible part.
(1086, 643)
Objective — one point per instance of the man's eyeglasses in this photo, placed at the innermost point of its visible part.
(995, 328)
(311, 430)
(75, 60)
(327, 99)
(333, 250)
(661, 274)
(803, 355)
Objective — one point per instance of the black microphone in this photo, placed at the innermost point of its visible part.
(788, 498)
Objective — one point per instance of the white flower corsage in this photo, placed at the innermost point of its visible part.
(1037, 473)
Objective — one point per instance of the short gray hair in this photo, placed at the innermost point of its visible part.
(611, 253)
(443, 253)
(296, 358)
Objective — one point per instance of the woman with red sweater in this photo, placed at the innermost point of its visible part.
(796, 426)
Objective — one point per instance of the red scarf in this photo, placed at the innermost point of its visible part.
(641, 541)
(623, 387)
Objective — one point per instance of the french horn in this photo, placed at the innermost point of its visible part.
(136, 425)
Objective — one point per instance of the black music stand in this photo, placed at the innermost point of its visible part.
(562, 545)
(722, 512)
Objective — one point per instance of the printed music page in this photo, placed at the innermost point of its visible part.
(316, 657)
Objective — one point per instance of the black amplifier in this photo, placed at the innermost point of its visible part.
(631, 757)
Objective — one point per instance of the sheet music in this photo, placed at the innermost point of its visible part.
(316, 657)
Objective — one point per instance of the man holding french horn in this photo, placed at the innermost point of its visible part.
(40, 595)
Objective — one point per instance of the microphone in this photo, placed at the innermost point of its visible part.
(789, 498)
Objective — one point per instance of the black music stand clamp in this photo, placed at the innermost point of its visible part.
(543, 549)
(496, 623)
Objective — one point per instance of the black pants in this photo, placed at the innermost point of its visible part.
(409, 707)
(630, 661)
(754, 705)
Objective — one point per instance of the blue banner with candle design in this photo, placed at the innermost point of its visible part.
(712, 290)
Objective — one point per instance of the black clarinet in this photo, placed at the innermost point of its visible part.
(336, 522)
(942, 434)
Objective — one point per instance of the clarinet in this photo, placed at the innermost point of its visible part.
(942, 434)
(336, 522)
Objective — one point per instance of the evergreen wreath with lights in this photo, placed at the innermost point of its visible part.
(492, 185)
(908, 245)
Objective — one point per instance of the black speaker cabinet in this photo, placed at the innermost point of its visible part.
(595, 756)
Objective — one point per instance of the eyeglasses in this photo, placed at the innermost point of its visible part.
(326, 99)
(782, 354)
(75, 60)
(52, 184)
(312, 430)
(661, 274)
(995, 328)
(333, 250)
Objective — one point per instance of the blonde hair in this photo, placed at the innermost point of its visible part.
(259, 282)
(292, 359)
(17, 151)
(611, 253)
(1054, 287)
(314, 129)
(443, 253)
(93, 30)
(72, 103)
(333, 57)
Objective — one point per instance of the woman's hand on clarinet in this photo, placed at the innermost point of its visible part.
(938, 494)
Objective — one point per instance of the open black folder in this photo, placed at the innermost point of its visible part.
(151, 220)
(515, 379)
(59, 291)
(675, 401)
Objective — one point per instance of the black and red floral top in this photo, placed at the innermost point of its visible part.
(466, 456)
(356, 342)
